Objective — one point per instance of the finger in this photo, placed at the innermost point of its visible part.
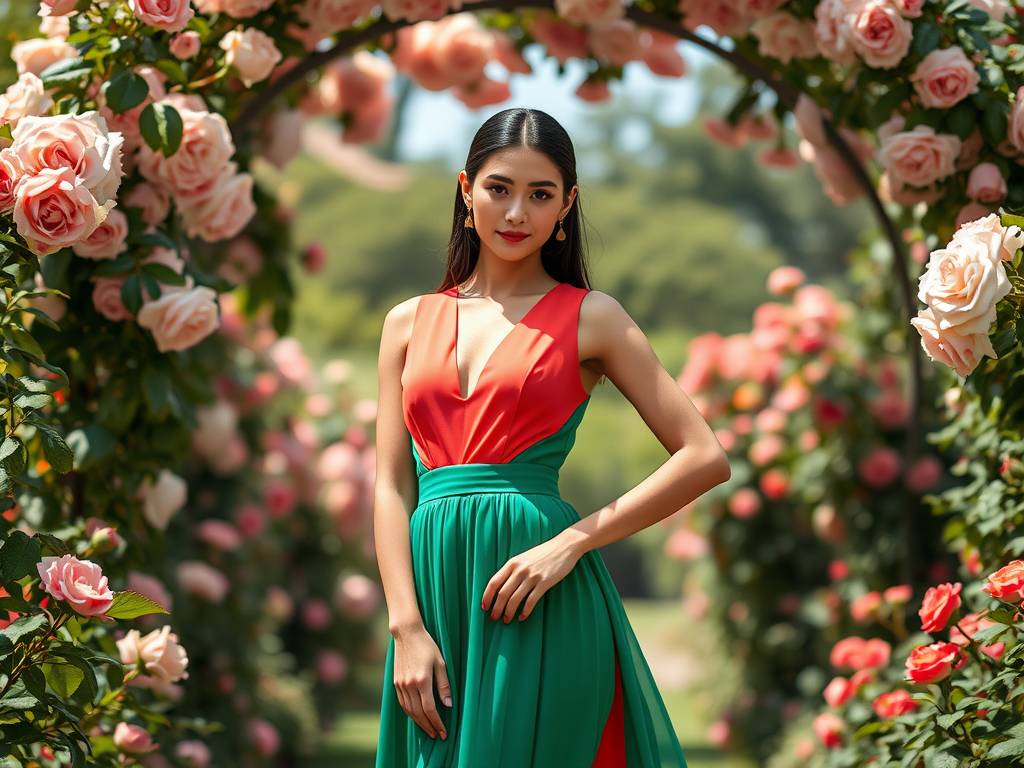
(531, 601)
(430, 711)
(444, 688)
(501, 601)
(492, 587)
(418, 714)
(517, 597)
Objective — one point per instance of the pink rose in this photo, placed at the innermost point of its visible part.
(1015, 129)
(181, 319)
(766, 449)
(986, 183)
(746, 502)
(932, 663)
(37, 53)
(24, 98)
(661, 55)
(168, 15)
(618, 41)
(331, 666)
(865, 606)
(80, 143)
(970, 149)
(219, 534)
(55, 26)
(265, 737)
(784, 280)
(898, 594)
(281, 136)
(52, 211)
(723, 16)
(829, 729)
(10, 172)
(1007, 583)
(909, 9)
(414, 10)
(106, 298)
(252, 53)
(357, 596)
(925, 474)
(330, 16)
(590, 12)
(960, 351)
(463, 46)
(133, 739)
(938, 605)
(508, 55)
(832, 30)
(562, 40)
(776, 157)
(970, 624)
(223, 210)
(56, 7)
(894, 704)
(152, 199)
(185, 45)
(195, 754)
(880, 467)
(838, 692)
(107, 240)
(860, 654)
(837, 181)
(80, 583)
(880, 36)
(945, 77)
(202, 579)
(161, 655)
(206, 147)
(151, 587)
(244, 9)
(784, 37)
(919, 157)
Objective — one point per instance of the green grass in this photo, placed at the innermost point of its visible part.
(661, 626)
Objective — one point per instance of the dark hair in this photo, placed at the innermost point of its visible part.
(565, 260)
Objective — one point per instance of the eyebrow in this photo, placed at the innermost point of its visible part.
(507, 180)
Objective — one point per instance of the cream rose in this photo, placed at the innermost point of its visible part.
(80, 143)
(919, 157)
(1002, 242)
(36, 54)
(168, 15)
(962, 283)
(945, 77)
(161, 655)
(591, 12)
(206, 147)
(618, 41)
(784, 37)
(164, 498)
(25, 98)
(55, 26)
(107, 240)
(52, 211)
(252, 53)
(880, 36)
(181, 319)
(224, 212)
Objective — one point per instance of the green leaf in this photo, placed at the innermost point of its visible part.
(22, 340)
(131, 293)
(59, 546)
(173, 70)
(130, 605)
(19, 556)
(44, 318)
(161, 127)
(32, 402)
(163, 273)
(994, 122)
(64, 679)
(1004, 341)
(158, 239)
(65, 71)
(118, 266)
(18, 697)
(948, 721)
(157, 388)
(57, 453)
(927, 36)
(153, 289)
(1012, 748)
(962, 119)
(90, 444)
(25, 627)
(124, 90)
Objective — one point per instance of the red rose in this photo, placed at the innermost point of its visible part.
(894, 704)
(931, 663)
(938, 605)
(1007, 583)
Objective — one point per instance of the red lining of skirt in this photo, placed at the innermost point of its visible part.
(611, 752)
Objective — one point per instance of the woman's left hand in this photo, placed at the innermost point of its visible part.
(528, 576)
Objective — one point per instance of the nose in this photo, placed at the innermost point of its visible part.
(516, 211)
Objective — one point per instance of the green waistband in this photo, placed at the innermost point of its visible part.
(512, 477)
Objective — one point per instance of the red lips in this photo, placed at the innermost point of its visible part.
(513, 236)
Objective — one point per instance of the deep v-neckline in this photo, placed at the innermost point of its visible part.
(487, 363)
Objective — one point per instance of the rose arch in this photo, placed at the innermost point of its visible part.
(162, 435)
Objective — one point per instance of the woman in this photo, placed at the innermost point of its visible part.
(510, 647)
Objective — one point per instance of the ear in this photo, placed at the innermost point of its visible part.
(467, 188)
(568, 203)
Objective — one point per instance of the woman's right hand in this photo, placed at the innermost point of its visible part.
(418, 662)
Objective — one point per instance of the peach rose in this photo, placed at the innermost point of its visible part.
(133, 739)
(986, 183)
(185, 45)
(618, 41)
(206, 147)
(80, 143)
(181, 319)
(330, 16)
(945, 77)
(168, 15)
(1007, 583)
(224, 211)
(161, 655)
(413, 10)
(37, 53)
(919, 156)
(726, 17)
(24, 98)
(506, 54)
(562, 40)
(894, 704)
(661, 54)
(52, 211)
(909, 9)
(152, 199)
(10, 172)
(475, 95)
(880, 36)
(252, 53)
(202, 579)
(837, 181)
(106, 298)
(832, 30)
(164, 498)
(590, 12)
(56, 7)
(80, 583)
(829, 729)
(939, 604)
(282, 136)
(107, 240)
(784, 37)
(932, 663)
(960, 351)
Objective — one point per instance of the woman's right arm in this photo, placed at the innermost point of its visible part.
(395, 487)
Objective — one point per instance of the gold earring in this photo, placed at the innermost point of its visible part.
(468, 223)
(561, 232)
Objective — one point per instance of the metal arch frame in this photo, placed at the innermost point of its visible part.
(785, 92)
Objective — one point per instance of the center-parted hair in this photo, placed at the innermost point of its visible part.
(565, 260)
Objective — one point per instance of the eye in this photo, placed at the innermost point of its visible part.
(496, 186)
(547, 195)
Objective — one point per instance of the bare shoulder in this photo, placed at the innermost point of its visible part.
(603, 312)
(398, 323)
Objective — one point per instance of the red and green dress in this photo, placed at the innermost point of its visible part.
(569, 687)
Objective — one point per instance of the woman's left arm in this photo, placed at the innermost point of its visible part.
(697, 462)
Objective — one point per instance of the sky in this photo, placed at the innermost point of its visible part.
(432, 118)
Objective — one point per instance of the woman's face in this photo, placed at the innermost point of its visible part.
(518, 190)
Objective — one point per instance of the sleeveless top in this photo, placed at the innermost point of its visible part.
(528, 389)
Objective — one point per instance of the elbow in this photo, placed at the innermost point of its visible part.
(722, 470)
